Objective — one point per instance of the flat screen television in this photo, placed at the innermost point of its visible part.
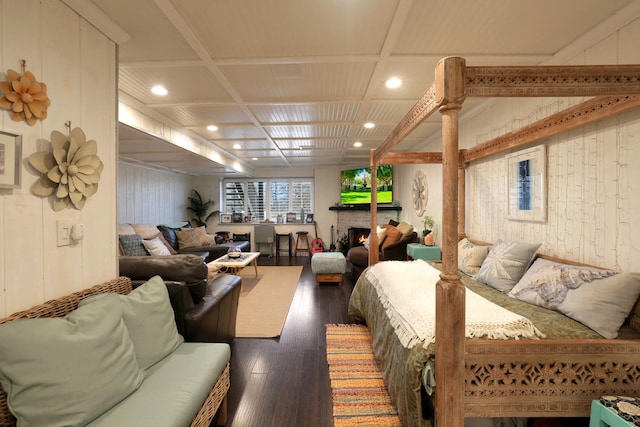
(355, 185)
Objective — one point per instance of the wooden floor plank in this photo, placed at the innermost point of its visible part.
(285, 381)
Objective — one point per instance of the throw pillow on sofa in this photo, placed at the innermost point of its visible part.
(160, 237)
(149, 319)
(187, 238)
(156, 247)
(68, 370)
(204, 238)
(132, 245)
(393, 235)
(381, 233)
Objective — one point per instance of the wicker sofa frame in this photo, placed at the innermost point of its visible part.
(62, 306)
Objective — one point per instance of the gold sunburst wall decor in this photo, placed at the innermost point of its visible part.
(24, 96)
(71, 172)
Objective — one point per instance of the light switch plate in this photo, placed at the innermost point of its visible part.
(64, 232)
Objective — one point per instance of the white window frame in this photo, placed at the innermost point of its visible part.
(269, 213)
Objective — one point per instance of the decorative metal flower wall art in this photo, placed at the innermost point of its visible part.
(24, 96)
(71, 172)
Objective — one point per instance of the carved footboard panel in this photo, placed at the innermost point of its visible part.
(547, 378)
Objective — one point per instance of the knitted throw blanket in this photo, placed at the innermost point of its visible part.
(407, 291)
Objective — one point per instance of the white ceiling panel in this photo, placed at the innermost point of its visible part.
(286, 28)
(317, 82)
(293, 81)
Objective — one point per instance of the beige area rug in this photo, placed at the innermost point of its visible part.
(265, 300)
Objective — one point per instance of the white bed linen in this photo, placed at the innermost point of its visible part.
(407, 292)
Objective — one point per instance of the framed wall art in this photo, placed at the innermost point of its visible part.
(10, 156)
(225, 218)
(527, 184)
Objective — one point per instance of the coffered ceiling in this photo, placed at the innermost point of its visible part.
(291, 83)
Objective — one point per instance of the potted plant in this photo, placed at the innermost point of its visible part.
(343, 244)
(200, 209)
(428, 222)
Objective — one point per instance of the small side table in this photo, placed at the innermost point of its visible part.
(420, 251)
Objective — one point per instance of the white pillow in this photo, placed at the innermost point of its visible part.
(599, 299)
(156, 247)
(381, 232)
(506, 263)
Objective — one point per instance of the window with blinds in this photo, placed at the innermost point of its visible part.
(267, 198)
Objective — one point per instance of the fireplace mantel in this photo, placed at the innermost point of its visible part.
(364, 208)
(360, 216)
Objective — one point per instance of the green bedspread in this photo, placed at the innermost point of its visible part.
(402, 368)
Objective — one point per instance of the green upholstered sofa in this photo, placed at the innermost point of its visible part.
(112, 356)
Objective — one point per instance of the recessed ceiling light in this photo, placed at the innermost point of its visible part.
(369, 125)
(254, 158)
(236, 146)
(357, 144)
(212, 127)
(393, 83)
(159, 90)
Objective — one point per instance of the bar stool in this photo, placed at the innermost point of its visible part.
(289, 246)
(302, 237)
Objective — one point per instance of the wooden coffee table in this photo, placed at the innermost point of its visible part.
(234, 265)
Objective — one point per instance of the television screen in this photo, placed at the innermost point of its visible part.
(356, 185)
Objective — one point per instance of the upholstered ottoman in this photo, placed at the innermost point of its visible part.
(328, 267)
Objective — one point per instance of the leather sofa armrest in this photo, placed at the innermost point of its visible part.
(187, 268)
(214, 318)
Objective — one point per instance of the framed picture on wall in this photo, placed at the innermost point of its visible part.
(527, 184)
(225, 218)
(309, 219)
(10, 157)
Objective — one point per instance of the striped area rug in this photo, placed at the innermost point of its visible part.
(360, 397)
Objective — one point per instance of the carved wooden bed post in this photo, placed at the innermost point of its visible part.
(462, 205)
(450, 293)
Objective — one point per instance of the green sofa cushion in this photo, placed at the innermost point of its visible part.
(68, 370)
(150, 321)
(173, 390)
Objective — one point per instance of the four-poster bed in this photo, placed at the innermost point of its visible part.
(472, 376)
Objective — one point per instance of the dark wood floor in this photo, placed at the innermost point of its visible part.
(285, 381)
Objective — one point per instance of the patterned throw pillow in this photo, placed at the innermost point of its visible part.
(506, 263)
(471, 257)
(132, 245)
(599, 299)
(204, 238)
(187, 238)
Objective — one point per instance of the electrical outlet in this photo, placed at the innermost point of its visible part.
(64, 232)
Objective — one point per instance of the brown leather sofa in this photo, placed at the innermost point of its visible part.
(205, 310)
(358, 256)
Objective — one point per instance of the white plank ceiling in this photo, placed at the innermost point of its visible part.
(292, 82)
